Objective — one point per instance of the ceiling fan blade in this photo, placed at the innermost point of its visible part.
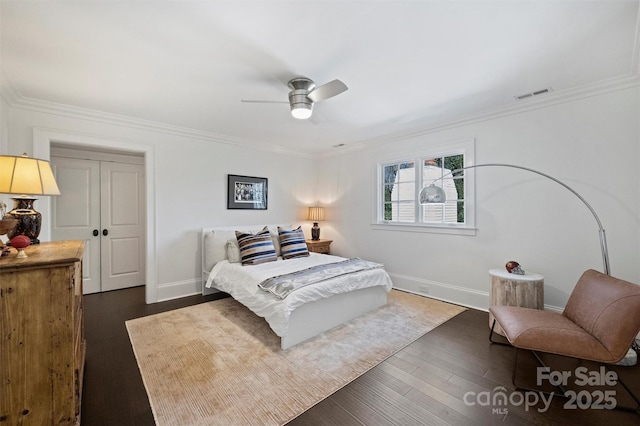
(327, 90)
(257, 101)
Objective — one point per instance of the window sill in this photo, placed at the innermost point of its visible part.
(432, 229)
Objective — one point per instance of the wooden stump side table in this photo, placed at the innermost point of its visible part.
(509, 289)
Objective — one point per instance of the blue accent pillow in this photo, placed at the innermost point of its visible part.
(256, 249)
(292, 243)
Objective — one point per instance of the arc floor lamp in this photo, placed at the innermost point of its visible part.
(434, 194)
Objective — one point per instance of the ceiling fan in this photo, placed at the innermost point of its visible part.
(304, 93)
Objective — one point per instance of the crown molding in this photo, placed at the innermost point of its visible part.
(168, 129)
(598, 88)
(15, 99)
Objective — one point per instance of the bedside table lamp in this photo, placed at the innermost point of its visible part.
(316, 214)
(27, 177)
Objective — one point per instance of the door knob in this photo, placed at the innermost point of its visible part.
(95, 232)
(105, 232)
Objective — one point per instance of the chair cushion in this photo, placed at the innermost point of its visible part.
(608, 308)
(548, 331)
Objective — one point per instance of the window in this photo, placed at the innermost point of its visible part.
(438, 171)
(399, 192)
(400, 183)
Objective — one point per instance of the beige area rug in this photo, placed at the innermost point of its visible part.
(218, 363)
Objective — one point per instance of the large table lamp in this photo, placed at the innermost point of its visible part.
(316, 214)
(435, 194)
(25, 177)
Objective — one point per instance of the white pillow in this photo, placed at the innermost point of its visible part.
(233, 251)
(215, 243)
(215, 247)
(276, 240)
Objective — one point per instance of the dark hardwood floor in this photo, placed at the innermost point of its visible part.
(449, 376)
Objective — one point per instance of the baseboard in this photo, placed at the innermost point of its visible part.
(442, 291)
(446, 292)
(178, 289)
(450, 293)
(206, 290)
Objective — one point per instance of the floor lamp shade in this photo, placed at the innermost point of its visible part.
(26, 177)
(316, 214)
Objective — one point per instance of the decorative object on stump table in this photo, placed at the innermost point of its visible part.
(316, 214)
(27, 177)
(20, 242)
(514, 267)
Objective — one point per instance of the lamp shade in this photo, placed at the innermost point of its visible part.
(432, 194)
(316, 214)
(26, 176)
(301, 111)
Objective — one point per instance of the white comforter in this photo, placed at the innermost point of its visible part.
(241, 282)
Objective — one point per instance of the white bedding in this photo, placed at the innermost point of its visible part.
(241, 282)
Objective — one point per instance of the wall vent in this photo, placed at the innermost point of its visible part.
(532, 94)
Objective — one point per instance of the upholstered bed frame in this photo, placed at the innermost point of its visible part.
(312, 318)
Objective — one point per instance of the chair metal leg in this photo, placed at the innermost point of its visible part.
(563, 391)
(515, 364)
(491, 335)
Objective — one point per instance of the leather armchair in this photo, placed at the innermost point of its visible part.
(599, 323)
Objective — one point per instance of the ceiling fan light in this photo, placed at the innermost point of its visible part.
(301, 111)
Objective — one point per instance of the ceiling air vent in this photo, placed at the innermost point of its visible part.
(532, 94)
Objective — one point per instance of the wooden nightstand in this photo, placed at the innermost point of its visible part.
(319, 246)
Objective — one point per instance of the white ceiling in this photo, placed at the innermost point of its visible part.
(407, 64)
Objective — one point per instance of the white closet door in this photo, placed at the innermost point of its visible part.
(122, 233)
(76, 212)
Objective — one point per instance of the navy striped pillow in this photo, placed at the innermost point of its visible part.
(256, 249)
(292, 243)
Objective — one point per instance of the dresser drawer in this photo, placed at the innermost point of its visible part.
(319, 246)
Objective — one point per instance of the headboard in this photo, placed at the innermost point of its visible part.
(213, 244)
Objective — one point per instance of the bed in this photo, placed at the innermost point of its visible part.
(307, 311)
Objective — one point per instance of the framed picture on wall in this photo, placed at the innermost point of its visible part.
(246, 192)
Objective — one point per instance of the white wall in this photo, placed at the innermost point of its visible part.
(3, 105)
(190, 178)
(591, 144)
(4, 138)
(4, 126)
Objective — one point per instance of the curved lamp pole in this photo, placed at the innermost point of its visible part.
(434, 194)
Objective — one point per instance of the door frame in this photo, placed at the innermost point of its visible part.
(42, 139)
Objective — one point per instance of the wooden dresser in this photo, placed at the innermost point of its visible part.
(42, 344)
